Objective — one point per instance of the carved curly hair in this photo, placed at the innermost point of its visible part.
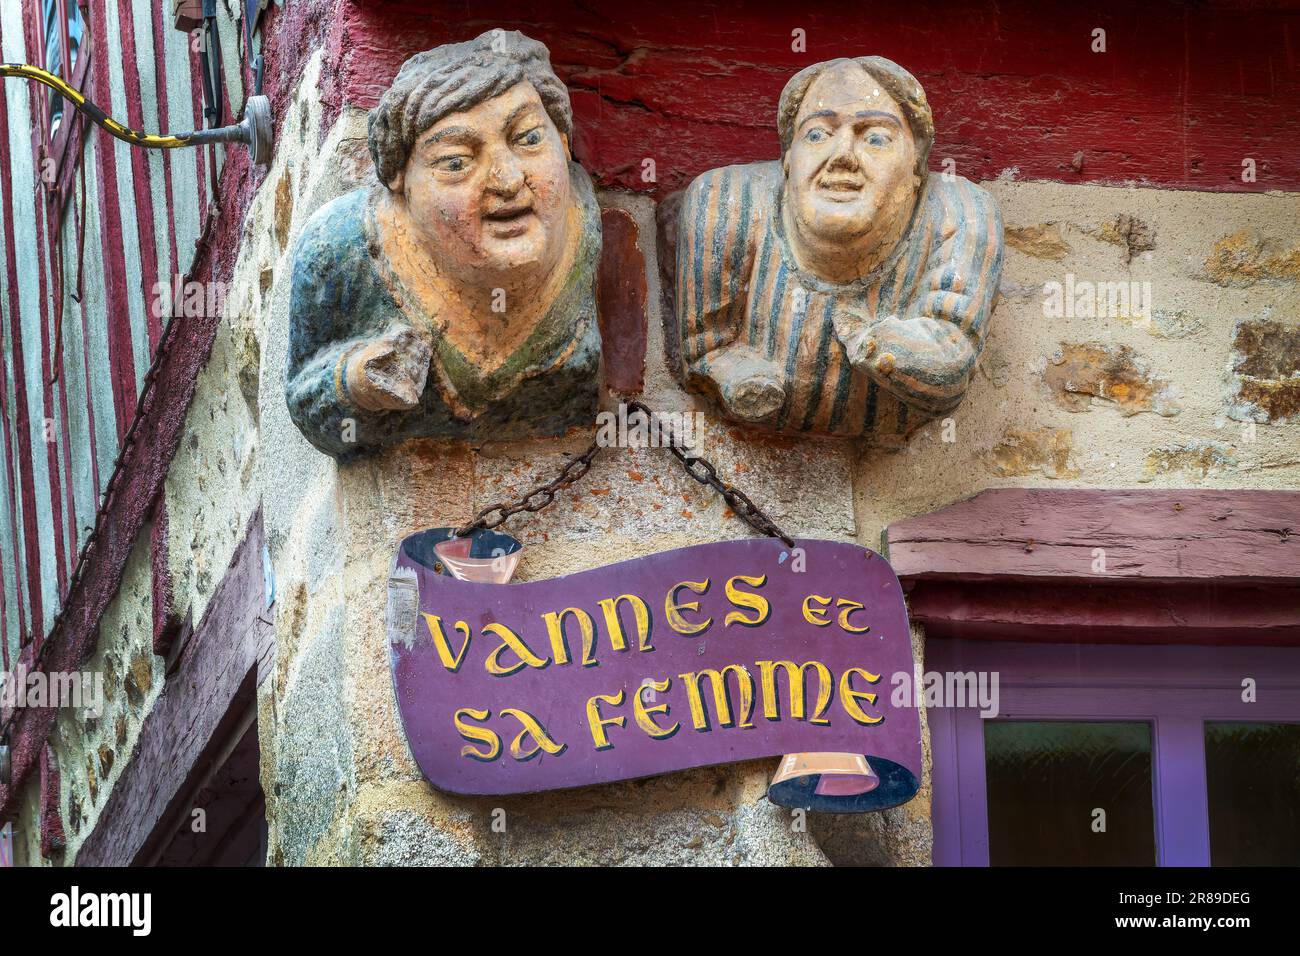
(893, 79)
(456, 77)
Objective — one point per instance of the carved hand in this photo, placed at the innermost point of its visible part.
(389, 373)
(860, 345)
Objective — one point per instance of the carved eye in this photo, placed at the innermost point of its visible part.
(816, 135)
(878, 140)
(532, 138)
(452, 164)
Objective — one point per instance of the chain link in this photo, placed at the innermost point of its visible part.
(570, 473)
(736, 499)
(543, 495)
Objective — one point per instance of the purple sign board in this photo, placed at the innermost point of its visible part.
(704, 655)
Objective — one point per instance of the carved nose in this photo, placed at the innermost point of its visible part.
(505, 178)
(844, 160)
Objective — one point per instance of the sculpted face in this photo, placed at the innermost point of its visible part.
(850, 165)
(489, 188)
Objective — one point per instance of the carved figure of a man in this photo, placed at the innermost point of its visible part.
(455, 299)
(842, 290)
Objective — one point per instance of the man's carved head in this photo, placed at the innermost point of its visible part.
(855, 143)
(474, 138)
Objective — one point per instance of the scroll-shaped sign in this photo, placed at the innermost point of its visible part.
(704, 655)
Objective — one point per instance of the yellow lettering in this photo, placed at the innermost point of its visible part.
(644, 720)
(597, 723)
(479, 734)
(794, 675)
(721, 703)
(534, 729)
(816, 615)
(510, 641)
(754, 602)
(434, 623)
(849, 608)
(640, 614)
(559, 642)
(849, 697)
(673, 609)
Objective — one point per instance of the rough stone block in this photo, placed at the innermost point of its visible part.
(1081, 372)
(1046, 451)
(1042, 241)
(1266, 372)
(1197, 459)
(1245, 257)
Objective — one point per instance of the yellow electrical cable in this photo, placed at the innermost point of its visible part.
(98, 116)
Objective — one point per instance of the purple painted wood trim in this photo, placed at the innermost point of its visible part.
(1176, 689)
(1182, 813)
(1169, 536)
(945, 806)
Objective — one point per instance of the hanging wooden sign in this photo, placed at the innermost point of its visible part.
(704, 655)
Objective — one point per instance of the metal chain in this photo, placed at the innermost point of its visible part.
(543, 495)
(736, 499)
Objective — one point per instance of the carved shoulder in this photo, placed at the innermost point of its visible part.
(963, 210)
(723, 216)
(336, 293)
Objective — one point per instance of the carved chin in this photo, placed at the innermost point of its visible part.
(507, 246)
(840, 220)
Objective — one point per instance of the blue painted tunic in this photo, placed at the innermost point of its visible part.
(343, 295)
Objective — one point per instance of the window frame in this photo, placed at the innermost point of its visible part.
(66, 146)
(1176, 689)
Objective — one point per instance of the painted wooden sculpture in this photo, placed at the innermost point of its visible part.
(843, 289)
(455, 298)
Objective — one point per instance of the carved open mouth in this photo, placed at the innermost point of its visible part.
(508, 221)
(841, 189)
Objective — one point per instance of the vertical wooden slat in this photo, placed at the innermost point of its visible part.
(120, 354)
(164, 125)
(94, 342)
(22, 420)
(122, 70)
(11, 568)
(179, 103)
(35, 40)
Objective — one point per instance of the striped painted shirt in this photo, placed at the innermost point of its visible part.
(743, 300)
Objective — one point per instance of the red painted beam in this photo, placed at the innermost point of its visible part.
(1209, 614)
(1186, 566)
(1183, 93)
(1106, 536)
(53, 840)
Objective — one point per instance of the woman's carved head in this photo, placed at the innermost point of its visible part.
(474, 139)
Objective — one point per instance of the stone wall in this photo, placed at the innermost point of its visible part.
(1199, 389)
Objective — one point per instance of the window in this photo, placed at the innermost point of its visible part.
(1119, 755)
(63, 34)
(63, 27)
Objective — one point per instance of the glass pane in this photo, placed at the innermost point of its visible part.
(1252, 772)
(54, 22)
(1046, 782)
